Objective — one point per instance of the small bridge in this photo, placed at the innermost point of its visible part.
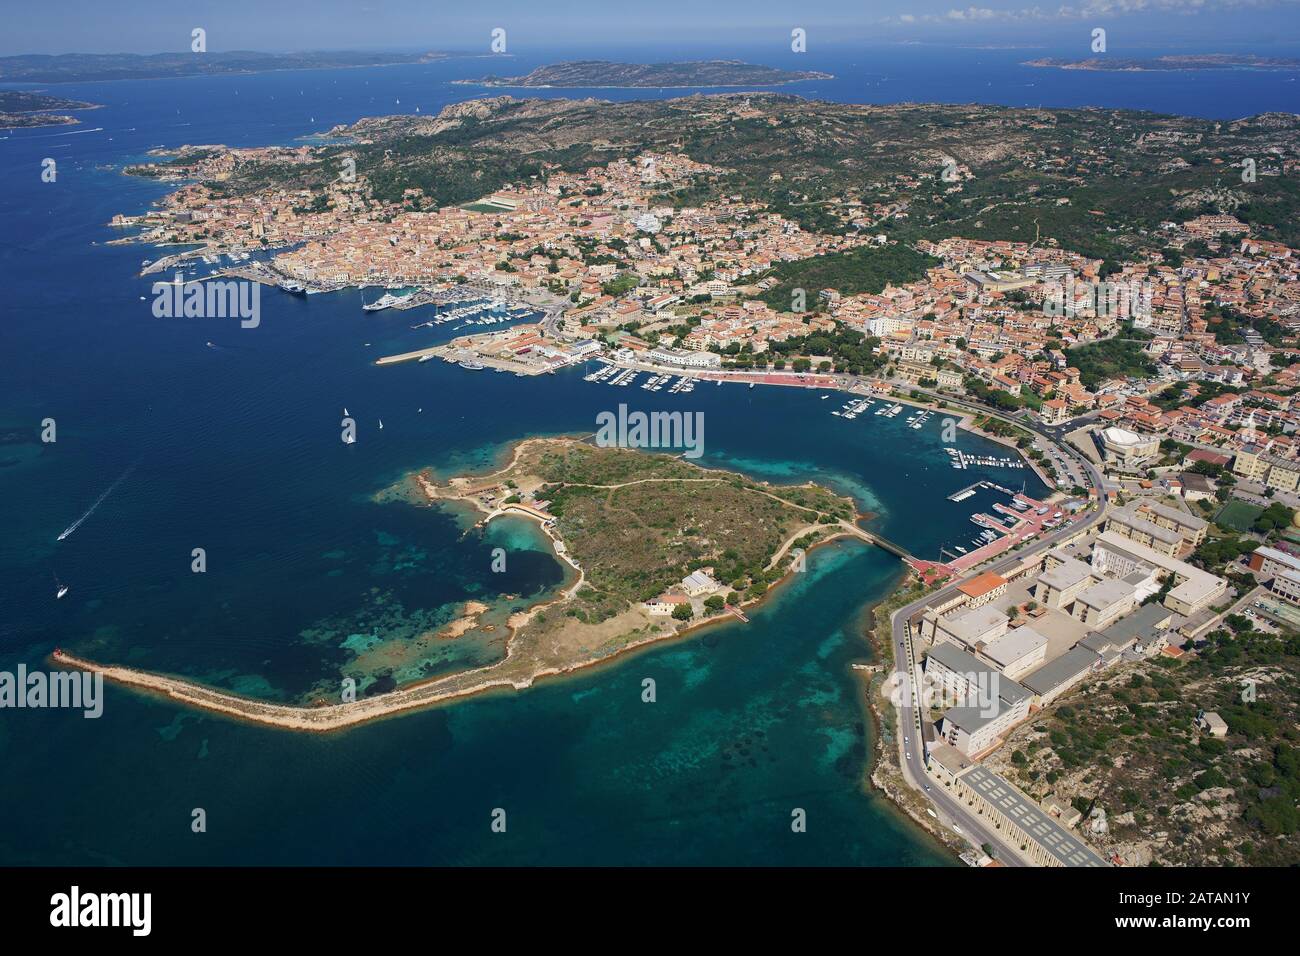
(880, 542)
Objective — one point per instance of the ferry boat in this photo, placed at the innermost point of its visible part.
(472, 366)
(293, 286)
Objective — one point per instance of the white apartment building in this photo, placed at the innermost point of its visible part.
(1102, 603)
(973, 730)
(960, 677)
(1269, 561)
(1193, 590)
(1017, 652)
(988, 703)
(969, 628)
(1189, 527)
(685, 359)
(1286, 585)
(1063, 581)
(887, 325)
(1136, 526)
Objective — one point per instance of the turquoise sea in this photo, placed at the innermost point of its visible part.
(176, 434)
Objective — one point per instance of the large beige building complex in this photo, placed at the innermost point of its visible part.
(1193, 590)
(1063, 580)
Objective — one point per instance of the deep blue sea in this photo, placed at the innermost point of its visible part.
(206, 435)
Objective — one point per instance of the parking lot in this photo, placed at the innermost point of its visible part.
(1064, 467)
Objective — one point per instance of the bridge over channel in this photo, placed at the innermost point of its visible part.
(879, 541)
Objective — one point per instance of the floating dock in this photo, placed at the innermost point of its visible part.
(965, 492)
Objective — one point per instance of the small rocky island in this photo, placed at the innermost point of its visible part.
(1193, 61)
(23, 108)
(655, 546)
(604, 74)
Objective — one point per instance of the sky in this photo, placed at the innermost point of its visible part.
(154, 26)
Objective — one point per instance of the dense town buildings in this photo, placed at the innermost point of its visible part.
(992, 315)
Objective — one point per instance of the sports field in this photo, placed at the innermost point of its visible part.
(1238, 515)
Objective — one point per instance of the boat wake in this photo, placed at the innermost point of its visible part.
(98, 501)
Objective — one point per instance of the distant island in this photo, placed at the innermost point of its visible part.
(1195, 61)
(20, 108)
(84, 67)
(604, 74)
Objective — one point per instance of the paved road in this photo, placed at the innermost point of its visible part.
(911, 753)
(552, 321)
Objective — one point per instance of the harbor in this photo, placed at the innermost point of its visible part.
(961, 461)
(477, 304)
(468, 359)
(614, 375)
(1001, 527)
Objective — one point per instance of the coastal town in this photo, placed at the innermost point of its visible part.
(1155, 397)
(854, 447)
